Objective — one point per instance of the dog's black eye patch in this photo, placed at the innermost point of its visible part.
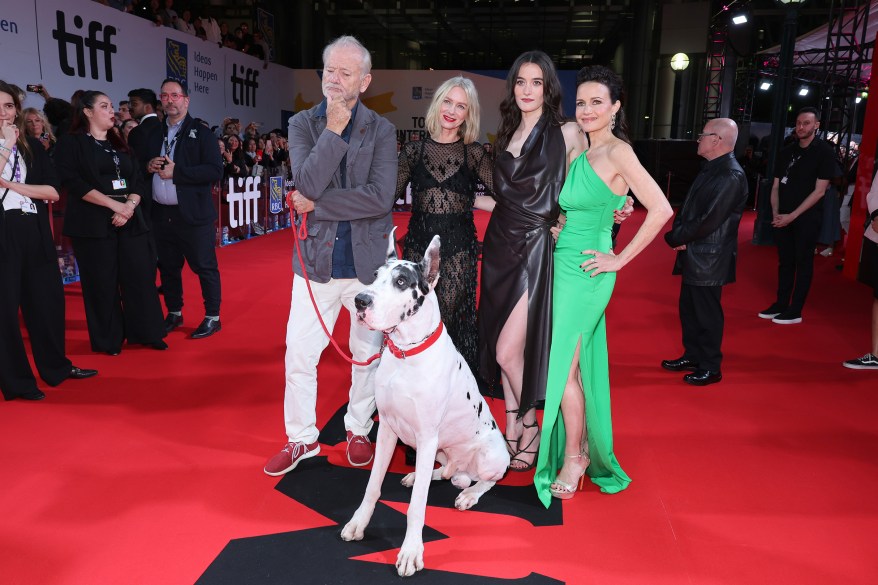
(405, 277)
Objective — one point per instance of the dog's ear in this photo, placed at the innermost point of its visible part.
(391, 245)
(430, 263)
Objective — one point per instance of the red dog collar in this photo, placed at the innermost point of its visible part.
(398, 353)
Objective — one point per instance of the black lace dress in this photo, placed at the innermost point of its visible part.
(444, 178)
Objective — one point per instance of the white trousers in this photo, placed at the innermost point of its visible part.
(306, 341)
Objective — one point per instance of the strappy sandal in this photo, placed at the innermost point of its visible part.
(512, 449)
(564, 491)
(515, 457)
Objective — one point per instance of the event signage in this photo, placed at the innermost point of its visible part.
(276, 194)
(243, 205)
(67, 46)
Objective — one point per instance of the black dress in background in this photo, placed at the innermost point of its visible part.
(443, 178)
(517, 255)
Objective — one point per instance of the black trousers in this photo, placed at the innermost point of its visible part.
(795, 255)
(32, 282)
(118, 289)
(179, 242)
(702, 321)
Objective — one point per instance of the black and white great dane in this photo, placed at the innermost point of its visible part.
(426, 396)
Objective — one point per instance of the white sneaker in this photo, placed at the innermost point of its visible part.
(867, 362)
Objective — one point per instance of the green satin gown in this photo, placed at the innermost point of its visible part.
(579, 302)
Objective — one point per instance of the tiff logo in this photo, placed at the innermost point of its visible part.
(91, 42)
(244, 88)
(243, 207)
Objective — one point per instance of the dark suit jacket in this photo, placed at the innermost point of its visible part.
(366, 201)
(78, 172)
(146, 142)
(40, 171)
(197, 166)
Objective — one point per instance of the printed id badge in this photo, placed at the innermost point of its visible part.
(119, 184)
(28, 206)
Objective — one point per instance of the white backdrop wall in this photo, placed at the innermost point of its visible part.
(80, 44)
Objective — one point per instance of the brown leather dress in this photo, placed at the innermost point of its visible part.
(517, 255)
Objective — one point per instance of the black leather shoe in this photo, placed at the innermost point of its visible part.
(172, 321)
(207, 328)
(680, 364)
(79, 373)
(703, 377)
(36, 394)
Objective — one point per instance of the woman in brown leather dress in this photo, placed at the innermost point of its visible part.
(533, 150)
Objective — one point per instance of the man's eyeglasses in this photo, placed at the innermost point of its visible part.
(700, 136)
(171, 96)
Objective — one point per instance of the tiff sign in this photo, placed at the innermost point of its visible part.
(96, 41)
(244, 85)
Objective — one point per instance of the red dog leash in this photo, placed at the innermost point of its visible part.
(300, 234)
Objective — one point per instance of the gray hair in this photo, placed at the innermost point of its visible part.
(348, 41)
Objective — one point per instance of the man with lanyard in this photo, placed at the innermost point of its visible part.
(804, 169)
(343, 158)
(185, 170)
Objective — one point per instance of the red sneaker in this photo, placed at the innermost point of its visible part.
(360, 450)
(290, 456)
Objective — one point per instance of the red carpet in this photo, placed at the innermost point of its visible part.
(152, 472)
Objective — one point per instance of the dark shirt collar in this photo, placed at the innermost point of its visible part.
(709, 164)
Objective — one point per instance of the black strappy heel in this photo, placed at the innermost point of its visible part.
(528, 466)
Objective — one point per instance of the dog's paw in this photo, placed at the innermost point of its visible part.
(465, 501)
(353, 530)
(410, 558)
(409, 480)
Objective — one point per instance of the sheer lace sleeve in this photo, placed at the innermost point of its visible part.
(483, 167)
(404, 172)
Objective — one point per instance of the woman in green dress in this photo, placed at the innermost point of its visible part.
(578, 386)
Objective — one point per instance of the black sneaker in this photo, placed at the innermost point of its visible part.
(867, 362)
(772, 311)
(788, 317)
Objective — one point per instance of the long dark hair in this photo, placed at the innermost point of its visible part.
(510, 115)
(613, 82)
(80, 120)
(15, 92)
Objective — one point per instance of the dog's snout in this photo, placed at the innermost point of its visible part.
(363, 301)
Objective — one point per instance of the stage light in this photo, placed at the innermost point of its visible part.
(803, 91)
(680, 61)
(739, 19)
(765, 85)
(858, 100)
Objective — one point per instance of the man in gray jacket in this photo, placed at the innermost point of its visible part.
(343, 158)
(705, 236)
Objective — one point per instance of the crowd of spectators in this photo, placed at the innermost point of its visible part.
(203, 24)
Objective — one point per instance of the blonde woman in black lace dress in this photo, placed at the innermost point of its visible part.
(444, 170)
